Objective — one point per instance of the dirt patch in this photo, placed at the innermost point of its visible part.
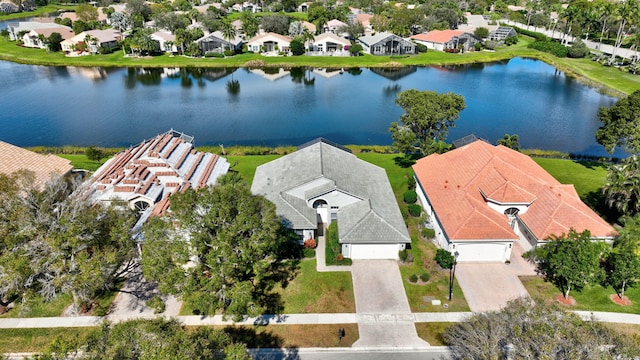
(622, 302)
(570, 301)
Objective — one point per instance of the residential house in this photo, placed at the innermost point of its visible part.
(386, 44)
(304, 7)
(329, 44)
(309, 26)
(102, 17)
(246, 6)
(108, 38)
(333, 26)
(16, 29)
(33, 38)
(482, 199)
(501, 33)
(323, 182)
(8, 7)
(144, 176)
(166, 40)
(269, 43)
(215, 42)
(443, 40)
(43, 167)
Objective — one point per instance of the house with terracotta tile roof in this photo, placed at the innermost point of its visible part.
(33, 38)
(481, 199)
(442, 40)
(43, 167)
(323, 182)
(269, 42)
(144, 176)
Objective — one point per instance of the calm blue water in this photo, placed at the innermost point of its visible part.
(119, 107)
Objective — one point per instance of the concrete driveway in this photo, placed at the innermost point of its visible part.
(382, 309)
(489, 286)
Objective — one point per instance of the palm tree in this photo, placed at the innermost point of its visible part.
(604, 10)
(228, 32)
(627, 11)
(510, 141)
(308, 38)
(622, 189)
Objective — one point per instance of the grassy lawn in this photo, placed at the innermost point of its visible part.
(33, 340)
(41, 11)
(432, 332)
(315, 292)
(586, 176)
(81, 162)
(294, 336)
(37, 307)
(593, 298)
(246, 165)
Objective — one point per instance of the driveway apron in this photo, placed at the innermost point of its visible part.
(382, 309)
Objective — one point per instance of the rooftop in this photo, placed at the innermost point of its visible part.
(13, 158)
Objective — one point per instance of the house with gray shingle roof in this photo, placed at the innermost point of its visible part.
(323, 182)
(385, 43)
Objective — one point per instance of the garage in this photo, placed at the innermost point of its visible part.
(483, 252)
(372, 251)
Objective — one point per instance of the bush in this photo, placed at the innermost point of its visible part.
(511, 40)
(444, 258)
(410, 197)
(578, 50)
(551, 47)
(310, 244)
(481, 32)
(477, 46)
(536, 35)
(229, 52)
(421, 48)
(213, 55)
(411, 183)
(308, 253)
(490, 44)
(413, 278)
(428, 233)
(297, 47)
(425, 277)
(157, 304)
(403, 255)
(415, 210)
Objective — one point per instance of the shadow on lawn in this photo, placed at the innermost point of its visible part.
(591, 165)
(407, 160)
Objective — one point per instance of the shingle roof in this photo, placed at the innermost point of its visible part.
(155, 169)
(372, 216)
(455, 182)
(13, 158)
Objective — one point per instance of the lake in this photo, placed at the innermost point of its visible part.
(120, 107)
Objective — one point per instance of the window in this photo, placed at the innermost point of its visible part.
(511, 212)
(320, 203)
(141, 205)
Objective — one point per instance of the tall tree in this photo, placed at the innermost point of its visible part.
(250, 24)
(427, 118)
(621, 125)
(120, 21)
(228, 32)
(237, 245)
(627, 13)
(623, 270)
(622, 188)
(53, 42)
(524, 329)
(53, 242)
(86, 12)
(570, 261)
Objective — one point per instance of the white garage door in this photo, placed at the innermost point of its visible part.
(482, 252)
(384, 251)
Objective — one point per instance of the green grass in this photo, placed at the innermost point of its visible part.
(586, 176)
(432, 332)
(37, 307)
(315, 292)
(593, 298)
(41, 11)
(246, 165)
(81, 162)
(587, 70)
(34, 340)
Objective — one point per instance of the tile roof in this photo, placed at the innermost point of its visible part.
(371, 213)
(455, 183)
(438, 36)
(154, 169)
(13, 158)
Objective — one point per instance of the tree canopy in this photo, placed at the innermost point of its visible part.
(570, 261)
(524, 329)
(229, 252)
(52, 241)
(622, 188)
(157, 339)
(621, 125)
(427, 118)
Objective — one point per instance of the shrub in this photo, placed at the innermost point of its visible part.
(415, 210)
(578, 50)
(156, 304)
(444, 258)
(511, 40)
(413, 278)
(550, 47)
(481, 32)
(428, 233)
(213, 55)
(229, 52)
(310, 244)
(410, 197)
(309, 253)
(297, 47)
(403, 255)
(411, 183)
(490, 44)
(477, 46)
(425, 277)
(421, 48)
